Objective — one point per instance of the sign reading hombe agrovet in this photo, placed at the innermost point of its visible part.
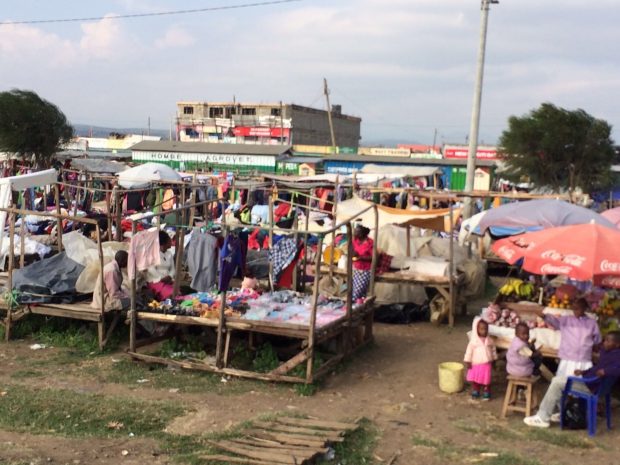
(213, 158)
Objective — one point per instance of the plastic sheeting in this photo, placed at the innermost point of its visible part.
(143, 175)
(49, 281)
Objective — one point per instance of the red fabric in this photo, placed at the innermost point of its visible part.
(126, 226)
(253, 240)
(384, 262)
(583, 252)
(281, 211)
(363, 249)
(286, 278)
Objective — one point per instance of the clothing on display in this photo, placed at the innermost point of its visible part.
(282, 255)
(202, 256)
(143, 251)
(231, 260)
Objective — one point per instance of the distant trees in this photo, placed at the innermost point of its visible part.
(558, 148)
(31, 126)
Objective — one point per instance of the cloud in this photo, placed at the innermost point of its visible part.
(175, 37)
(21, 44)
(103, 39)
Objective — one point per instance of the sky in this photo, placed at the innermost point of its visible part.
(407, 67)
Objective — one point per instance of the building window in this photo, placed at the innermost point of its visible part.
(216, 112)
(188, 110)
(248, 111)
(275, 112)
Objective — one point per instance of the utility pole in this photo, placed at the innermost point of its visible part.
(434, 138)
(475, 114)
(281, 124)
(329, 114)
(148, 131)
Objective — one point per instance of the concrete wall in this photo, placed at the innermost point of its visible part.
(311, 127)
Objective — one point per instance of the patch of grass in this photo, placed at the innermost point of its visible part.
(266, 359)
(23, 374)
(560, 439)
(357, 448)
(444, 449)
(493, 430)
(129, 372)
(72, 414)
(181, 347)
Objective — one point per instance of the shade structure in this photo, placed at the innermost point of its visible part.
(520, 217)
(143, 175)
(612, 215)
(586, 252)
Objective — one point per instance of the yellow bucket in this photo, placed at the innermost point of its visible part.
(451, 377)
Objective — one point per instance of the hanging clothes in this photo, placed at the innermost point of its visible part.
(143, 251)
(202, 253)
(168, 202)
(231, 260)
(282, 255)
(286, 278)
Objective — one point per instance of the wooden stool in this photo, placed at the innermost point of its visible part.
(511, 401)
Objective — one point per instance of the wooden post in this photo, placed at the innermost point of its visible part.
(9, 311)
(118, 205)
(451, 302)
(132, 312)
(59, 220)
(22, 234)
(408, 240)
(315, 301)
(101, 323)
(221, 323)
(296, 236)
(373, 266)
(108, 207)
(335, 221)
(271, 226)
(305, 260)
(349, 286)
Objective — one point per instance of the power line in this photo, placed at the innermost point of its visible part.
(145, 15)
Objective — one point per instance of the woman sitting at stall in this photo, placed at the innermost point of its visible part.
(160, 278)
(362, 261)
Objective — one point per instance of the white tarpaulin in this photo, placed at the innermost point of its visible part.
(20, 183)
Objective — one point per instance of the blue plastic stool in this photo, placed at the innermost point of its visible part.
(591, 399)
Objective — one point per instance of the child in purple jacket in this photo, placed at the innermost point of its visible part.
(522, 359)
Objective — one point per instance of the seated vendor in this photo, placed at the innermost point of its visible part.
(115, 297)
(160, 278)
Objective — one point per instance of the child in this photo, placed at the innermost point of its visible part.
(479, 357)
(523, 360)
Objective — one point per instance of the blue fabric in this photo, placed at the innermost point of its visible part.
(231, 260)
(604, 391)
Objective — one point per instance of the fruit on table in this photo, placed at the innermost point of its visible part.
(518, 287)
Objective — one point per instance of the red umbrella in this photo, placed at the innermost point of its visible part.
(586, 252)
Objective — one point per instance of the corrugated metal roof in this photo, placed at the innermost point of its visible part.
(206, 147)
(302, 160)
(406, 161)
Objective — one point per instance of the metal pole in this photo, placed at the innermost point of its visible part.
(475, 114)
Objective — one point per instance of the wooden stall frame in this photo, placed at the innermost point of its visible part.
(60, 310)
(310, 335)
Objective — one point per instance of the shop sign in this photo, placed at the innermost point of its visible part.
(213, 158)
(257, 131)
(461, 152)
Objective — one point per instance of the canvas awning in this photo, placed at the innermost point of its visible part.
(437, 220)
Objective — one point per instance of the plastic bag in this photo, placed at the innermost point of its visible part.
(575, 414)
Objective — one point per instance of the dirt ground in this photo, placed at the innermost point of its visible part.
(393, 384)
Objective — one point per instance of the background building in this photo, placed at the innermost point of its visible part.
(244, 123)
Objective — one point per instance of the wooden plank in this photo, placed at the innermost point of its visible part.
(331, 435)
(274, 457)
(277, 445)
(291, 363)
(335, 425)
(229, 459)
(76, 314)
(283, 438)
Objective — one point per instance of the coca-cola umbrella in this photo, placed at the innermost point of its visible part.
(585, 252)
(612, 215)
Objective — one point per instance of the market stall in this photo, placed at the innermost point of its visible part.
(310, 322)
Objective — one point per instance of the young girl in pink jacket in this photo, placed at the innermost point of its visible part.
(479, 357)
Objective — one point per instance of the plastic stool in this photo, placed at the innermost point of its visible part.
(511, 401)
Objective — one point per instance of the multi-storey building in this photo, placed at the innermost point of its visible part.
(244, 123)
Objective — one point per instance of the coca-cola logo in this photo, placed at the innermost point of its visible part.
(524, 244)
(607, 266)
(548, 268)
(610, 281)
(571, 259)
(506, 252)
